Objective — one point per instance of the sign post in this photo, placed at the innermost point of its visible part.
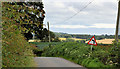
(92, 42)
(91, 47)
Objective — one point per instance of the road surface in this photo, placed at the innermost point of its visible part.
(54, 62)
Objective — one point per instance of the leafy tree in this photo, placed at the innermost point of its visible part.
(56, 39)
(31, 18)
(46, 35)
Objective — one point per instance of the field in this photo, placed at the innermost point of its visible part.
(104, 41)
(75, 39)
(62, 39)
(34, 40)
(41, 45)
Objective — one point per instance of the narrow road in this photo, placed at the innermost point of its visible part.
(54, 62)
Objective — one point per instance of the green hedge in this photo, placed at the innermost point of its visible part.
(16, 51)
(81, 54)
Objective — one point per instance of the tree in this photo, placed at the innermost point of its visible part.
(31, 18)
(56, 39)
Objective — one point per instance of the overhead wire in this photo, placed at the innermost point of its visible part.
(81, 5)
(77, 12)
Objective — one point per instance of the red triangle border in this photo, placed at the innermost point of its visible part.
(95, 41)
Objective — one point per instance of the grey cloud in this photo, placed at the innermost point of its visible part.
(104, 12)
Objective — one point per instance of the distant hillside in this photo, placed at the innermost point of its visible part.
(59, 33)
(82, 36)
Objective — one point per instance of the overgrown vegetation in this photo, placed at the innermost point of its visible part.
(29, 16)
(81, 54)
(16, 51)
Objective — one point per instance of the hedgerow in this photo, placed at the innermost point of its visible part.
(16, 51)
(81, 54)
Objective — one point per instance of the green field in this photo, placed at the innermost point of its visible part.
(41, 45)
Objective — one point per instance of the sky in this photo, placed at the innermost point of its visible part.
(95, 17)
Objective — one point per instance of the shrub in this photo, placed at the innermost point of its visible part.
(16, 51)
(81, 53)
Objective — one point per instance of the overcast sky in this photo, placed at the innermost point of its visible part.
(97, 18)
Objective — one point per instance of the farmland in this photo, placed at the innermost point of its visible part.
(62, 39)
(75, 39)
(104, 41)
(41, 45)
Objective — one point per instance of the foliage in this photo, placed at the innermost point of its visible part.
(46, 36)
(69, 40)
(39, 46)
(56, 39)
(16, 51)
(81, 53)
(29, 16)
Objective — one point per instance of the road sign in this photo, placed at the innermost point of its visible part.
(92, 41)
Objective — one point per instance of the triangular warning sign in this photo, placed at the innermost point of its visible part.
(92, 41)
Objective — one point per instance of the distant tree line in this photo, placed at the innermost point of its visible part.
(98, 37)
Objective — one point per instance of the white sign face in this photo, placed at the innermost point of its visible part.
(92, 41)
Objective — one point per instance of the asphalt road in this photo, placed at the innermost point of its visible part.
(54, 62)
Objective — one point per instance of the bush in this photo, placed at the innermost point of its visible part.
(16, 51)
(81, 53)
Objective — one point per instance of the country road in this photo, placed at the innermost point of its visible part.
(54, 62)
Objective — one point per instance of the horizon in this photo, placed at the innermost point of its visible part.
(83, 34)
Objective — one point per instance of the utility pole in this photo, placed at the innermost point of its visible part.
(48, 31)
(117, 25)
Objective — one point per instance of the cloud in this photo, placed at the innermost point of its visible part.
(59, 11)
(101, 25)
(79, 0)
(68, 26)
(99, 14)
(72, 9)
(98, 25)
(59, 4)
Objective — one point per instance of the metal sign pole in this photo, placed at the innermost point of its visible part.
(91, 47)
